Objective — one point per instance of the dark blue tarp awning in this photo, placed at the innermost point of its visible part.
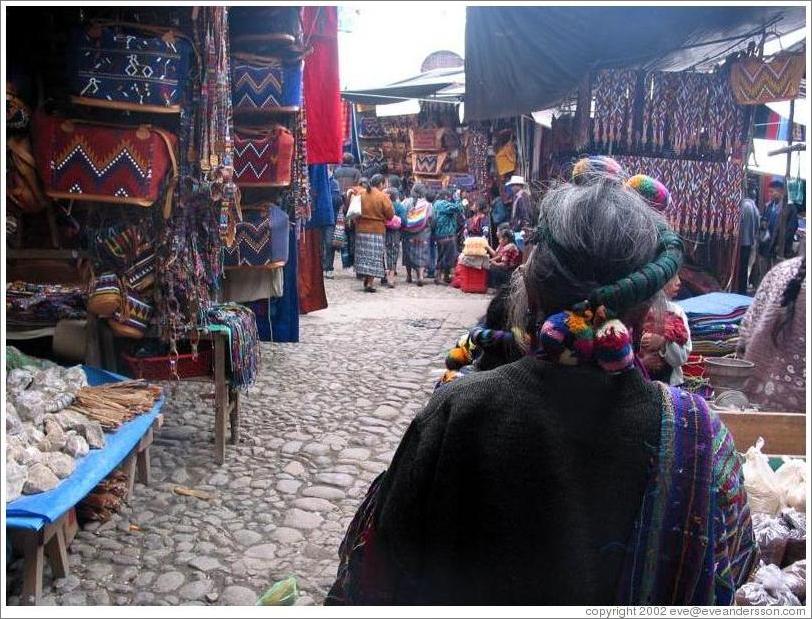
(521, 59)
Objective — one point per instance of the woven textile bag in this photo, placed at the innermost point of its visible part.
(417, 217)
(266, 84)
(428, 163)
(426, 139)
(261, 240)
(80, 160)
(339, 240)
(264, 25)
(141, 275)
(371, 127)
(129, 67)
(105, 295)
(133, 319)
(756, 80)
(263, 157)
(372, 156)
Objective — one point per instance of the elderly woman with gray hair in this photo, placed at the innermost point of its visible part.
(566, 477)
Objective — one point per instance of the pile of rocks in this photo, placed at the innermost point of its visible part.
(44, 440)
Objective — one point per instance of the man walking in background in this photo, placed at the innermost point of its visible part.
(748, 235)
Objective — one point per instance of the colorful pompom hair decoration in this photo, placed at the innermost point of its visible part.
(596, 166)
(566, 337)
(613, 347)
(651, 189)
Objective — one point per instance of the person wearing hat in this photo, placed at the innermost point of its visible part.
(782, 223)
(521, 215)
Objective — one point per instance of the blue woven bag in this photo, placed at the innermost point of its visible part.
(266, 85)
(126, 67)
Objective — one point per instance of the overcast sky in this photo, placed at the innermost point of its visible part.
(389, 40)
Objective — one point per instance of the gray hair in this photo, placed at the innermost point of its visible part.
(602, 231)
(418, 191)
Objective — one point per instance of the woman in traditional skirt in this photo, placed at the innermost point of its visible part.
(447, 218)
(416, 233)
(370, 228)
(393, 237)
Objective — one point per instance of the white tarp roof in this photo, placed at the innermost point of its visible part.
(776, 165)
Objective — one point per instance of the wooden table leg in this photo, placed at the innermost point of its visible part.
(234, 415)
(129, 470)
(57, 552)
(30, 543)
(220, 398)
(142, 464)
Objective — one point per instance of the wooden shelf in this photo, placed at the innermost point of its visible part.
(45, 254)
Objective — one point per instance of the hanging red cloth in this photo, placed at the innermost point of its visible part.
(325, 132)
(312, 296)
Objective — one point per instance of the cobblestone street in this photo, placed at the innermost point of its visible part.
(322, 422)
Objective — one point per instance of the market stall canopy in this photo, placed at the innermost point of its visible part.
(776, 165)
(782, 109)
(519, 59)
(440, 84)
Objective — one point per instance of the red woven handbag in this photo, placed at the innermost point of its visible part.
(263, 157)
(81, 160)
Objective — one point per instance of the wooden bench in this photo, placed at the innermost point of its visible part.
(53, 539)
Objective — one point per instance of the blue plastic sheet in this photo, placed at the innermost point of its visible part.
(35, 511)
(715, 304)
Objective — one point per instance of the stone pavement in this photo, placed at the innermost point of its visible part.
(322, 422)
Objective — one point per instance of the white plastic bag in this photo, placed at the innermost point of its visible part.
(764, 493)
(791, 478)
(354, 210)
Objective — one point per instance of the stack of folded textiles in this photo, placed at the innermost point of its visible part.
(714, 321)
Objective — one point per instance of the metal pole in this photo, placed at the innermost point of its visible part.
(782, 225)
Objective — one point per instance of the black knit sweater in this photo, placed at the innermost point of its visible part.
(519, 486)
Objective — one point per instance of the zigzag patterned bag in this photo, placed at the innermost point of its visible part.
(266, 84)
(755, 80)
(426, 139)
(121, 67)
(371, 127)
(428, 163)
(261, 241)
(263, 157)
(373, 156)
(80, 160)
